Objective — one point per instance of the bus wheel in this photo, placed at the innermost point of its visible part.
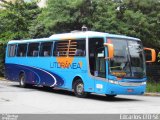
(110, 96)
(22, 80)
(79, 89)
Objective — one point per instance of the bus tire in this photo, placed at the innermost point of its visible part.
(110, 96)
(22, 80)
(78, 87)
(47, 88)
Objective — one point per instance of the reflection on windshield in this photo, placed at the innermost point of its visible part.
(128, 59)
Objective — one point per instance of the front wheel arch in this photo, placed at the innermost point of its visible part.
(78, 87)
(74, 80)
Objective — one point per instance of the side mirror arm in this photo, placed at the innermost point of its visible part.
(110, 50)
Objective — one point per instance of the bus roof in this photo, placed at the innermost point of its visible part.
(74, 35)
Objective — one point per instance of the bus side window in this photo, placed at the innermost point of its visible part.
(11, 50)
(33, 49)
(35, 53)
(77, 48)
(70, 48)
(45, 49)
(61, 48)
(46, 53)
(21, 50)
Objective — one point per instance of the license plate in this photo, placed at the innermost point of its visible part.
(130, 90)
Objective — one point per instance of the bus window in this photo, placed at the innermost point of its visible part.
(11, 50)
(33, 49)
(22, 48)
(61, 48)
(77, 48)
(70, 48)
(46, 48)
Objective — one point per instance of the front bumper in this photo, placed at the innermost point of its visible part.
(125, 88)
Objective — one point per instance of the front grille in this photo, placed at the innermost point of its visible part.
(129, 84)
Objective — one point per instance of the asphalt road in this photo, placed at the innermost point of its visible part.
(15, 100)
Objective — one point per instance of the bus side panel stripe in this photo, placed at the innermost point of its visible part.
(34, 75)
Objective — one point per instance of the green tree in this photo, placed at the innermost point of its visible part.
(137, 18)
(142, 18)
(2, 56)
(16, 18)
(105, 17)
(65, 16)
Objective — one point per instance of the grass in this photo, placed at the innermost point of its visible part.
(153, 86)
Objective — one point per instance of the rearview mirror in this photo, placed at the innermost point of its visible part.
(110, 50)
(150, 55)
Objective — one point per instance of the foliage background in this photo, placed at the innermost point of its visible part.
(25, 20)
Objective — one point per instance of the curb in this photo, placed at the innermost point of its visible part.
(151, 94)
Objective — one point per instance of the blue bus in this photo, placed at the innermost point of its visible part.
(84, 61)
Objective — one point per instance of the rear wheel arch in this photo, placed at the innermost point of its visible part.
(21, 72)
(22, 79)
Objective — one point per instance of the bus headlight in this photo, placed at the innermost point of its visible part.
(113, 81)
(143, 83)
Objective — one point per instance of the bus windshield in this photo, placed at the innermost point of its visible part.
(128, 61)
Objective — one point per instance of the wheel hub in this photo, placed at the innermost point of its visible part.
(80, 89)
